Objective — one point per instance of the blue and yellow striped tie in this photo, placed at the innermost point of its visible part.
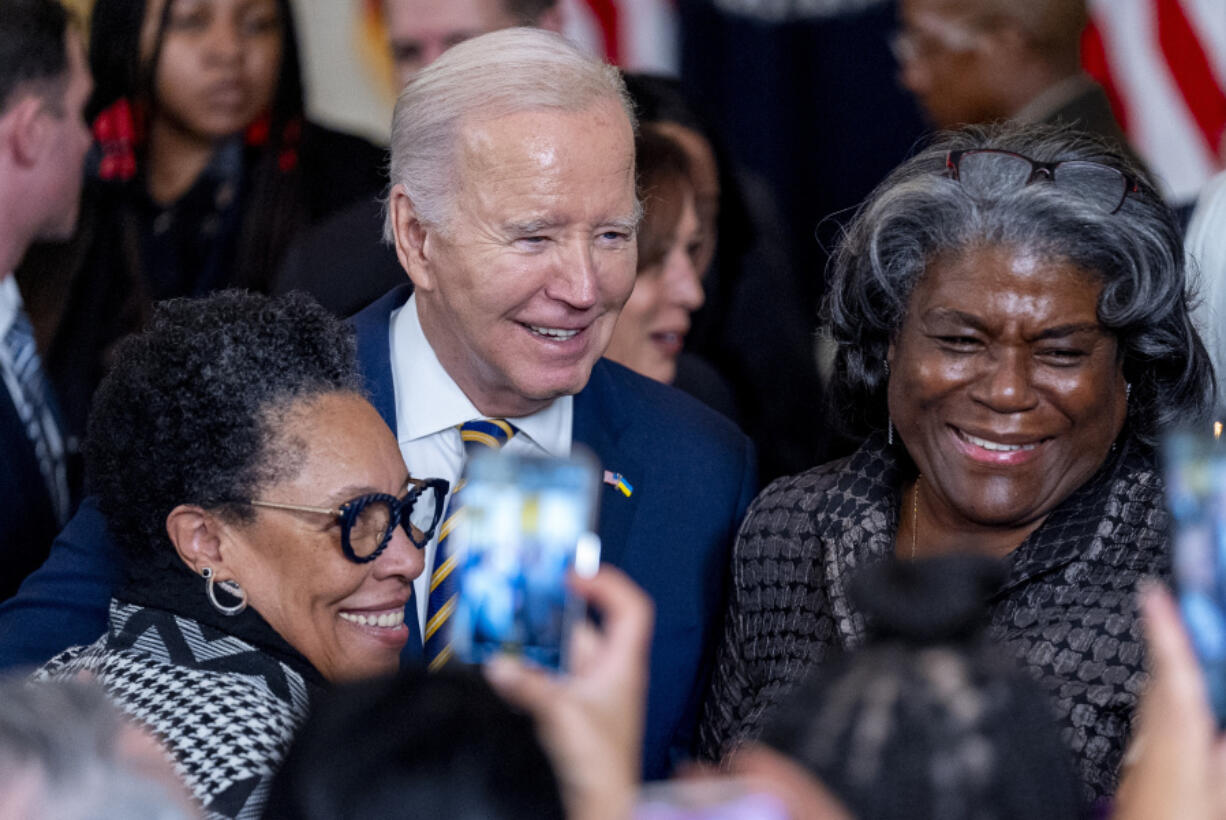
(492, 433)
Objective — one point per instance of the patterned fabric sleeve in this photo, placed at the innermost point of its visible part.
(773, 612)
(730, 689)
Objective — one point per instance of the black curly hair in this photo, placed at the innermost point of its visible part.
(190, 413)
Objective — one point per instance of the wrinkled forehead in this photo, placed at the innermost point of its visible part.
(494, 142)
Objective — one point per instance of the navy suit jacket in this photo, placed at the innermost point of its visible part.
(27, 517)
(693, 475)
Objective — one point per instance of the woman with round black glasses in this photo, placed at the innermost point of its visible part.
(270, 530)
(1012, 334)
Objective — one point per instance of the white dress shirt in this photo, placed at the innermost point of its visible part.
(429, 409)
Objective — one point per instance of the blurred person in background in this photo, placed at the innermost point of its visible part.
(754, 325)
(419, 31)
(204, 167)
(269, 529)
(979, 61)
(344, 262)
(44, 83)
(1013, 334)
(668, 287)
(67, 753)
(1205, 244)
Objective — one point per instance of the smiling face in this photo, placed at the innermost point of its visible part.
(1004, 388)
(219, 64)
(519, 292)
(290, 563)
(651, 329)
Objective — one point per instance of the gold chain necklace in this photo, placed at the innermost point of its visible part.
(915, 514)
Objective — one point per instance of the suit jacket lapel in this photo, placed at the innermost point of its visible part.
(373, 328)
(600, 423)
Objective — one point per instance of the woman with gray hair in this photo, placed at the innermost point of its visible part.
(1013, 333)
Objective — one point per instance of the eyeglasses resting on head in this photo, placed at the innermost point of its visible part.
(986, 171)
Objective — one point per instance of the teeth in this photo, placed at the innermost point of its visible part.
(552, 332)
(386, 620)
(996, 446)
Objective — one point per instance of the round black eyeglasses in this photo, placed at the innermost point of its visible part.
(369, 521)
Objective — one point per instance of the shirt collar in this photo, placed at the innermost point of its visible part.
(429, 402)
(10, 303)
(1053, 98)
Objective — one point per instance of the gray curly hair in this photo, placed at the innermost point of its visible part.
(920, 211)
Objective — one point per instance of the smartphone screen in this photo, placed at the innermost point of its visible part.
(1196, 494)
(527, 522)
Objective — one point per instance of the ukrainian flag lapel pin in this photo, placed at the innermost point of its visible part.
(619, 481)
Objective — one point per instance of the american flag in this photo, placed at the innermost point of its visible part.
(1163, 63)
(640, 35)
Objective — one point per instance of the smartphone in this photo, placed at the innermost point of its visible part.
(1195, 473)
(528, 521)
(708, 798)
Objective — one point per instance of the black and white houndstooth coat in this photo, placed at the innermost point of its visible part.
(225, 710)
(1066, 612)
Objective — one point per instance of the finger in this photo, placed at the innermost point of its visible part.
(520, 685)
(1173, 662)
(584, 649)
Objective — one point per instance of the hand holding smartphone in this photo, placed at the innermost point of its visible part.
(527, 522)
(1196, 493)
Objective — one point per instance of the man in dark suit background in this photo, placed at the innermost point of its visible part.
(513, 211)
(977, 61)
(44, 83)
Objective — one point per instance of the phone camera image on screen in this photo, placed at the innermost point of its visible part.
(526, 523)
(1196, 495)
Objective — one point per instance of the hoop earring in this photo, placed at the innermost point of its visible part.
(231, 587)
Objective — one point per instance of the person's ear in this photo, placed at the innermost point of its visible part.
(412, 239)
(28, 131)
(198, 538)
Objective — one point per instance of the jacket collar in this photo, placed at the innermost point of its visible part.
(867, 498)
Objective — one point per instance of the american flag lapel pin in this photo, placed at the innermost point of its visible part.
(619, 481)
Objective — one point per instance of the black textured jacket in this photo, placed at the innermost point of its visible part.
(1066, 612)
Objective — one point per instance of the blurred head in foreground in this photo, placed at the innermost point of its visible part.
(928, 720)
(442, 743)
(66, 752)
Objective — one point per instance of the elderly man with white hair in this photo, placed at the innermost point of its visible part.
(513, 211)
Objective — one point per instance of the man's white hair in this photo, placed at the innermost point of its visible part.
(500, 73)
